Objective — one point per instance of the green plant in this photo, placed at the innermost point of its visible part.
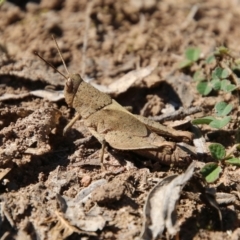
(220, 120)
(212, 170)
(191, 55)
(215, 73)
(218, 73)
(217, 81)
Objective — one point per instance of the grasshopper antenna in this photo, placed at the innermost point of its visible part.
(48, 63)
(60, 55)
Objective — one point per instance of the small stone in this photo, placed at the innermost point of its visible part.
(86, 180)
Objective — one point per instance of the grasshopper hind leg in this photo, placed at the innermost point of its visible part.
(102, 154)
(103, 143)
(176, 157)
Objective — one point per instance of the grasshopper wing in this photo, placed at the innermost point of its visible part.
(128, 141)
(122, 130)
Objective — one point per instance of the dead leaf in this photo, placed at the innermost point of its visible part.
(4, 213)
(53, 96)
(160, 207)
(126, 81)
(199, 141)
(63, 228)
(10, 96)
(86, 193)
(74, 212)
(225, 198)
(4, 172)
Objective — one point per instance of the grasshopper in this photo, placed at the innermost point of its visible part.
(111, 124)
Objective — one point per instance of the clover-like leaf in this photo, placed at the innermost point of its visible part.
(220, 123)
(224, 73)
(227, 86)
(223, 109)
(211, 172)
(230, 88)
(220, 73)
(204, 88)
(204, 120)
(198, 76)
(216, 84)
(210, 59)
(185, 63)
(224, 84)
(192, 54)
(217, 151)
(233, 161)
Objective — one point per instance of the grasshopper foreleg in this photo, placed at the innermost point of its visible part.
(70, 124)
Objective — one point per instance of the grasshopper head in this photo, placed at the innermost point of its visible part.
(71, 87)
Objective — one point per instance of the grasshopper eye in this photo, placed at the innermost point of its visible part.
(69, 85)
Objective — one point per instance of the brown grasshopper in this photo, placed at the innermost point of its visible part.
(110, 123)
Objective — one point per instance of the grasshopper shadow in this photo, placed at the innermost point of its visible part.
(137, 97)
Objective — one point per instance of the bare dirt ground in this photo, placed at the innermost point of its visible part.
(104, 40)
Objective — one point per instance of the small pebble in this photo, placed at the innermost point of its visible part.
(86, 180)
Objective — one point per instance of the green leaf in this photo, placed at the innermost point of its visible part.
(204, 120)
(225, 73)
(216, 72)
(227, 86)
(211, 172)
(204, 88)
(230, 88)
(217, 151)
(224, 84)
(220, 123)
(192, 54)
(233, 161)
(185, 63)
(223, 109)
(216, 84)
(220, 73)
(198, 76)
(210, 59)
